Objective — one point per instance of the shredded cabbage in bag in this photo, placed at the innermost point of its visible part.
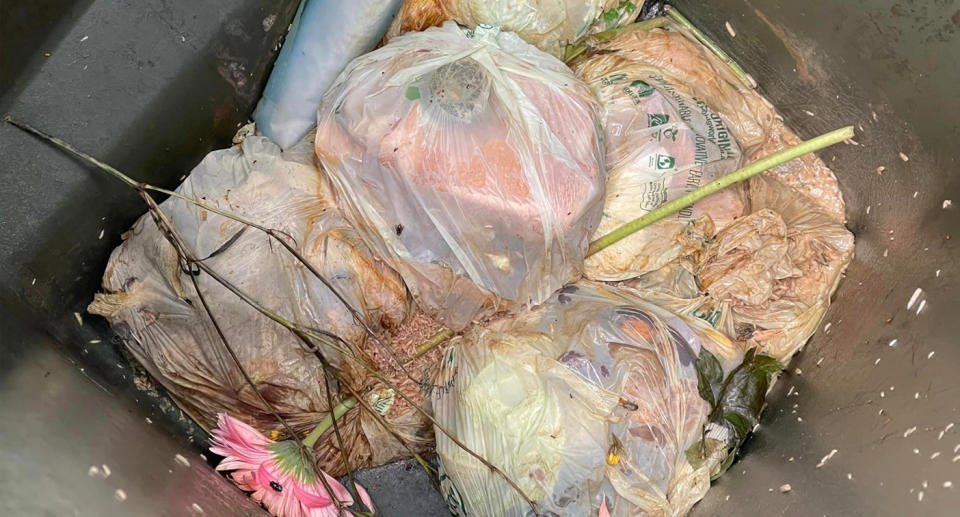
(591, 397)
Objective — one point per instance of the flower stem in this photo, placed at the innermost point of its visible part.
(325, 424)
(682, 20)
(667, 209)
(433, 341)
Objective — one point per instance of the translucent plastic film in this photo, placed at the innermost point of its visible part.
(471, 162)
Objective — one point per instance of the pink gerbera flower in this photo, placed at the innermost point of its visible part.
(278, 474)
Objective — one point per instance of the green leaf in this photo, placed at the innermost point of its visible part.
(740, 425)
(723, 467)
(709, 377)
(736, 403)
(745, 389)
(697, 454)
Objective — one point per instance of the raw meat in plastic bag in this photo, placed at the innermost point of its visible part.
(548, 24)
(751, 118)
(591, 396)
(324, 37)
(769, 276)
(470, 162)
(662, 142)
(150, 300)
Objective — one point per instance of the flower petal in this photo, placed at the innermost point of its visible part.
(365, 499)
(231, 432)
(310, 499)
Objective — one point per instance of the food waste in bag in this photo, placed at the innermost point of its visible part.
(461, 177)
(548, 24)
(767, 279)
(149, 298)
(662, 142)
(471, 162)
(595, 399)
(752, 120)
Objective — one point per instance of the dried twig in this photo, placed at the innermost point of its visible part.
(175, 240)
(273, 233)
(166, 229)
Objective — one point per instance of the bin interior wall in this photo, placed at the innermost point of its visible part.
(152, 86)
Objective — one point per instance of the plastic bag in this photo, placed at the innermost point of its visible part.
(324, 37)
(590, 397)
(548, 24)
(769, 276)
(751, 118)
(470, 162)
(662, 142)
(150, 300)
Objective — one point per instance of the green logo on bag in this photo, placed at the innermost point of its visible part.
(613, 79)
(642, 89)
(665, 161)
(657, 119)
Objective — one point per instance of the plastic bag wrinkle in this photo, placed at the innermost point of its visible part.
(150, 301)
(470, 162)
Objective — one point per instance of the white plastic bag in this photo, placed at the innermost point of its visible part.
(149, 298)
(471, 162)
(662, 142)
(590, 397)
(548, 24)
(324, 37)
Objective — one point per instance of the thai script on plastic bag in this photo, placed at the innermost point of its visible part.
(662, 142)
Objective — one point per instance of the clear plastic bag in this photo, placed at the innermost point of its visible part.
(769, 276)
(150, 300)
(324, 37)
(753, 121)
(471, 162)
(590, 397)
(548, 24)
(662, 142)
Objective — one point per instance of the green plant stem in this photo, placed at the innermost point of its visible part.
(571, 52)
(678, 17)
(327, 421)
(433, 341)
(667, 209)
(646, 25)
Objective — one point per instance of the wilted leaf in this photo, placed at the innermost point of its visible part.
(709, 376)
